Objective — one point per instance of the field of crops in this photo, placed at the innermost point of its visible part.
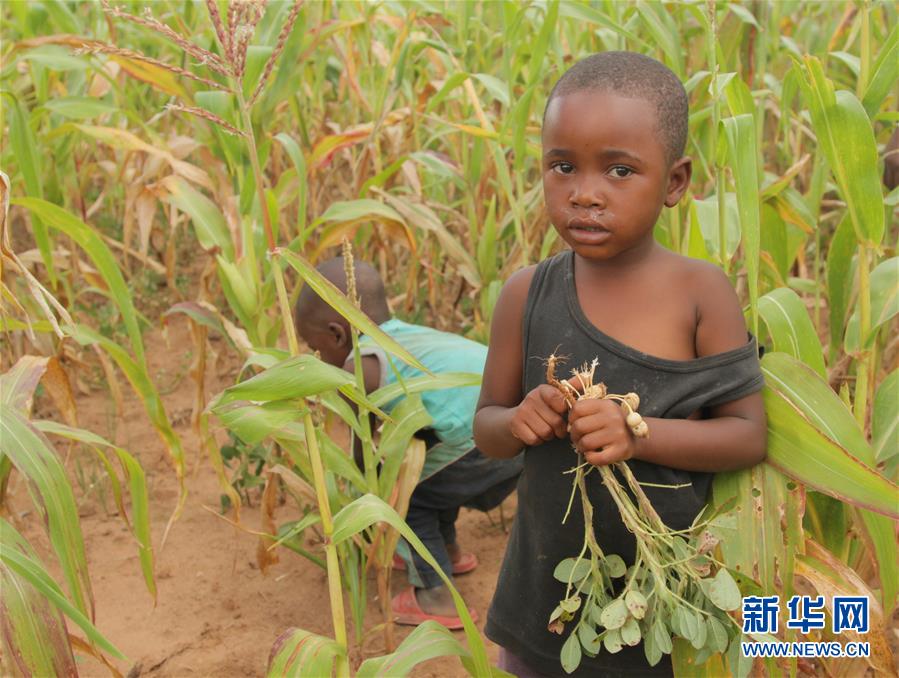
(175, 500)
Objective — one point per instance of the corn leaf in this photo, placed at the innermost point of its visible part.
(791, 329)
(101, 257)
(845, 136)
(301, 653)
(408, 417)
(137, 485)
(299, 163)
(839, 281)
(22, 568)
(428, 641)
(33, 456)
(387, 394)
(884, 305)
(298, 377)
(883, 75)
(209, 223)
(368, 510)
(743, 154)
(17, 384)
(885, 418)
(798, 446)
(337, 300)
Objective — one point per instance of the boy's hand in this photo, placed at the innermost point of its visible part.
(540, 416)
(600, 432)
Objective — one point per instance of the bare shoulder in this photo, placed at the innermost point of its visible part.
(720, 325)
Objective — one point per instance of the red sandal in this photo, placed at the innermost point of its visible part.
(466, 563)
(407, 611)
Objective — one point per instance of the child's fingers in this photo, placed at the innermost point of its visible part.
(553, 398)
(604, 457)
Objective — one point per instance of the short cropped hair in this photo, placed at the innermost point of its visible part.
(369, 288)
(633, 75)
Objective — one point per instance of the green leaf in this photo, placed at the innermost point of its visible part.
(798, 447)
(612, 641)
(28, 161)
(636, 603)
(704, 220)
(368, 510)
(137, 485)
(571, 570)
(791, 329)
(34, 457)
(298, 377)
(136, 373)
(79, 108)
(839, 281)
(299, 653)
(723, 592)
(571, 654)
(34, 638)
(717, 635)
(407, 418)
(743, 155)
(56, 58)
(209, 222)
(615, 566)
(885, 418)
(884, 74)
(387, 394)
(299, 163)
(19, 560)
(427, 641)
(101, 257)
(884, 304)
(846, 137)
(630, 632)
(337, 300)
(614, 614)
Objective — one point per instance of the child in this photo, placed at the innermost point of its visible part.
(662, 325)
(455, 473)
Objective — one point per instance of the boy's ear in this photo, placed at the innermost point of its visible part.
(340, 334)
(678, 180)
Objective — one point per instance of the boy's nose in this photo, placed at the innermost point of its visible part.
(587, 194)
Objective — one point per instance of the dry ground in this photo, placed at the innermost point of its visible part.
(216, 613)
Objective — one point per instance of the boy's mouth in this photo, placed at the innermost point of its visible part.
(588, 232)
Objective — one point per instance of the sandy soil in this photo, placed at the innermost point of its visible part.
(216, 614)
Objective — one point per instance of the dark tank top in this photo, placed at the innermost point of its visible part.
(526, 592)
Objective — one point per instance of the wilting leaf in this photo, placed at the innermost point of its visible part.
(300, 653)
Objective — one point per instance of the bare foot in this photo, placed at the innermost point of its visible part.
(436, 601)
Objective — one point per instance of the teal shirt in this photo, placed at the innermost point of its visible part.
(451, 409)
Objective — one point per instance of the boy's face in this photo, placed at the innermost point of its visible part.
(328, 338)
(606, 172)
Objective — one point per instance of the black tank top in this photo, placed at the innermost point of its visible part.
(526, 592)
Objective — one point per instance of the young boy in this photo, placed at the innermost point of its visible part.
(455, 473)
(662, 325)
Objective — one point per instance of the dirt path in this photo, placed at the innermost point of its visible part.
(216, 613)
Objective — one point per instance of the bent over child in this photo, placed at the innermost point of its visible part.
(455, 473)
(664, 326)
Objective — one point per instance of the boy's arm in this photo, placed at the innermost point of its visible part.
(732, 436)
(504, 422)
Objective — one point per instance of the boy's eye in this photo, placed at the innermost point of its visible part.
(562, 168)
(621, 171)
